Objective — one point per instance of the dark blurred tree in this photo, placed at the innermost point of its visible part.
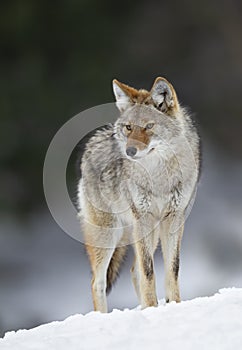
(57, 57)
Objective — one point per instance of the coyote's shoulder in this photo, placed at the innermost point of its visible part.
(138, 178)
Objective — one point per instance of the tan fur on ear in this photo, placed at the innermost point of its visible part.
(126, 95)
(131, 92)
(164, 96)
(122, 95)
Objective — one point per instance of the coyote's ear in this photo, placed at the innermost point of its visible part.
(122, 94)
(164, 96)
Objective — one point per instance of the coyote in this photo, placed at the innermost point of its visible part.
(139, 176)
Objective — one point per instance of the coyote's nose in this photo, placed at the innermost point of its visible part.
(131, 151)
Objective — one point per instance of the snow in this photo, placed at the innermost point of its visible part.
(202, 323)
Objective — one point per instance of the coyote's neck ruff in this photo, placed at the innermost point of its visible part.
(138, 178)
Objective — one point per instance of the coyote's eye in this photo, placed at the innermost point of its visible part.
(149, 126)
(128, 127)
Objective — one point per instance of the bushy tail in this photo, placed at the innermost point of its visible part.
(114, 266)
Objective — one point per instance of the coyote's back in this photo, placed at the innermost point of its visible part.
(138, 178)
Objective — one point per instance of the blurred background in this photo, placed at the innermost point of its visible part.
(57, 59)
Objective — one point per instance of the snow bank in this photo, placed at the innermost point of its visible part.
(202, 323)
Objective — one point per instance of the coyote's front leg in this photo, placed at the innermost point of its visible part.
(99, 259)
(143, 270)
(171, 242)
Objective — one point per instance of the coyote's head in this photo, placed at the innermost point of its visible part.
(149, 120)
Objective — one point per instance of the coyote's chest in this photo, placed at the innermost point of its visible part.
(150, 186)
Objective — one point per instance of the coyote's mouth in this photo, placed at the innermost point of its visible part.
(140, 156)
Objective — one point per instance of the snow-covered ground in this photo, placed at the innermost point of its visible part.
(202, 323)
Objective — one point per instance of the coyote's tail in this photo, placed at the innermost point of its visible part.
(114, 266)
